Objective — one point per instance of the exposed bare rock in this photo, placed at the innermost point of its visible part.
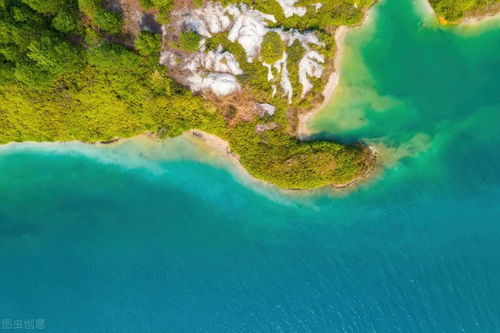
(264, 108)
(260, 128)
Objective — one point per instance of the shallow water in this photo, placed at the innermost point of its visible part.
(152, 238)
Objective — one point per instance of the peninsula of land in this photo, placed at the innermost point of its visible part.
(242, 76)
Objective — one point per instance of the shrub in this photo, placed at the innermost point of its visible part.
(112, 57)
(148, 43)
(45, 6)
(189, 41)
(55, 56)
(108, 21)
(65, 21)
(272, 48)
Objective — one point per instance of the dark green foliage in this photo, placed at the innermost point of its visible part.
(163, 6)
(7, 71)
(55, 56)
(112, 57)
(89, 7)
(148, 43)
(108, 21)
(33, 76)
(295, 53)
(198, 3)
(65, 21)
(272, 47)
(189, 41)
(45, 6)
(146, 4)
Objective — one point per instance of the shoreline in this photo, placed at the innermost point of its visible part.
(474, 20)
(222, 147)
(303, 130)
(466, 21)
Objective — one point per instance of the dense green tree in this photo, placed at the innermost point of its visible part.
(112, 56)
(7, 70)
(56, 56)
(46, 6)
(189, 41)
(272, 47)
(295, 52)
(108, 21)
(148, 43)
(65, 21)
(32, 75)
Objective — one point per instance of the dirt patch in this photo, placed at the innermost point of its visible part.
(236, 107)
(132, 15)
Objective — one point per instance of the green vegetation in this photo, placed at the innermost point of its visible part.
(103, 19)
(189, 41)
(67, 73)
(454, 10)
(272, 47)
(66, 21)
(148, 43)
(333, 13)
(162, 6)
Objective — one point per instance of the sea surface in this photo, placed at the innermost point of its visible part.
(145, 237)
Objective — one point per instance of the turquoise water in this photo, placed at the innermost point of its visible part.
(152, 238)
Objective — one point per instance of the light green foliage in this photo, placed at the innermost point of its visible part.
(148, 43)
(272, 47)
(189, 41)
(454, 10)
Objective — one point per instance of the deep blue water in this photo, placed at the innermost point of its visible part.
(165, 238)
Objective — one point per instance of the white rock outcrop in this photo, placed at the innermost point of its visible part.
(219, 83)
(311, 64)
(210, 19)
(249, 28)
(289, 8)
(265, 108)
(213, 70)
(217, 70)
(214, 61)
